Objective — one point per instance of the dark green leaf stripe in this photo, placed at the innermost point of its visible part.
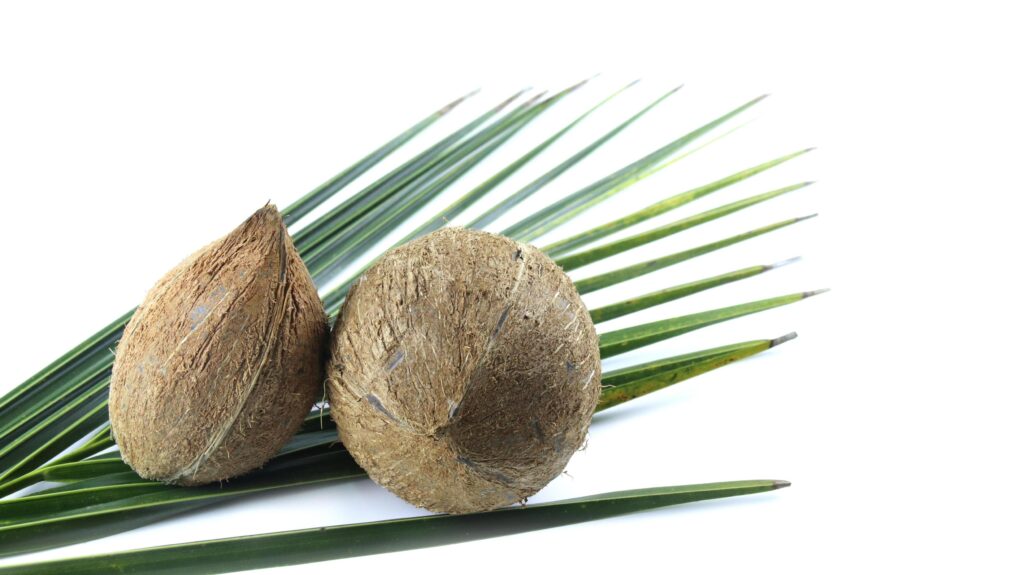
(597, 282)
(70, 391)
(114, 516)
(623, 340)
(85, 469)
(568, 244)
(13, 404)
(65, 468)
(321, 544)
(34, 507)
(64, 430)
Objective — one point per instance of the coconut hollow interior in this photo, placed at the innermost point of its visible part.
(465, 370)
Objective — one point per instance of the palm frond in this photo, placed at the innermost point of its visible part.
(60, 406)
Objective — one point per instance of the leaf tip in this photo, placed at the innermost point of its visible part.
(786, 262)
(808, 294)
(782, 339)
(802, 218)
(451, 106)
(780, 484)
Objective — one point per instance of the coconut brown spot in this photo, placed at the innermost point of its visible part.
(461, 371)
(222, 361)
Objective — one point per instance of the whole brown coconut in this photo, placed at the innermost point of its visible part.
(222, 361)
(464, 372)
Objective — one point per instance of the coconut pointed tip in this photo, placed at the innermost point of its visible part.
(268, 212)
(780, 484)
(783, 339)
(778, 265)
(808, 294)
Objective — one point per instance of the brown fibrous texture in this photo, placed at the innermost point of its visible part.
(222, 361)
(464, 371)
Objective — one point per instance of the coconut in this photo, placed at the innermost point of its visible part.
(222, 361)
(464, 371)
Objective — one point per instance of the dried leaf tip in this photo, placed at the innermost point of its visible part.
(780, 484)
(808, 294)
(778, 265)
(580, 84)
(511, 99)
(451, 106)
(802, 218)
(783, 339)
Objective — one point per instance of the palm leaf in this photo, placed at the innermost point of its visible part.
(324, 543)
(104, 496)
(65, 402)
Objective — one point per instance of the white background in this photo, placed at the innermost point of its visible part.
(131, 135)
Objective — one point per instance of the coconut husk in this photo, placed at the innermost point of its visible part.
(222, 361)
(464, 372)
